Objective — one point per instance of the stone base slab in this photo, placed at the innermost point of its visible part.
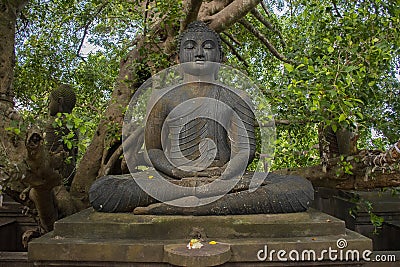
(98, 239)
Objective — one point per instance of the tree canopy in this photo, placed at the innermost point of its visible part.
(337, 62)
(327, 64)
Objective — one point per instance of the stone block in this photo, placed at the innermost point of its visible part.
(96, 239)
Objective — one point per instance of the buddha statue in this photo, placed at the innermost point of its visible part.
(200, 45)
(61, 100)
(204, 132)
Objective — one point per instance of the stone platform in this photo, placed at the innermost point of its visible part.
(97, 239)
(338, 203)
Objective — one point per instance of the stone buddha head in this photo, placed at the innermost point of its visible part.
(62, 100)
(200, 45)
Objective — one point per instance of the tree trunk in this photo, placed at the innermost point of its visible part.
(8, 18)
(12, 149)
(365, 170)
(129, 79)
(9, 11)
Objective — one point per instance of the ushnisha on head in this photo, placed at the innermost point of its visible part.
(199, 43)
(62, 99)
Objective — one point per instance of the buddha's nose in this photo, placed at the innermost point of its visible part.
(199, 53)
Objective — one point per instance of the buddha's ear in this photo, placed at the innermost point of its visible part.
(216, 72)
(60, 102)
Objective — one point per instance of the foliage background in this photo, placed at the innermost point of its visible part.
(341, 59)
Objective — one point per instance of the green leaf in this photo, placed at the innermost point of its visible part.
(350, 68)
(82, 129)
(347, 103)
(142, 168)
(70, 135)
(331, 49)
(58, 121)
(358, 100)
(288, 67)
(69, 144)
(342, 117)
(70, 125)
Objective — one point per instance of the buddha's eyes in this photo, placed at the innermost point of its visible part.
(189, 45)
(208, 45)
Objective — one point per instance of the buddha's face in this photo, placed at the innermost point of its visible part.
(199, 48)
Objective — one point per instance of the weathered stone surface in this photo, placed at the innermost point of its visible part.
(56, 249)
(208, 255)
(91, 224)
(338, 203)
(13, 224)
(51, 249)
(14, 259)
(96, 238)
(247, 250)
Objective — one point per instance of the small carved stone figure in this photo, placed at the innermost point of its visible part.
(61, 100)
(192, 131)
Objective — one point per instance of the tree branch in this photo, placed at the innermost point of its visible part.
(192, 9)
(383, 159)
(146, 11)
(133, 69)
(230, 36)
(336, 9)
(86, 28)
(230, 14)
(233, 50)
(264, 6)
(331, 179)
(275, 122)
(267, 24)
(209, 8)
(264, 40)
(17, 6)
(105, 168)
